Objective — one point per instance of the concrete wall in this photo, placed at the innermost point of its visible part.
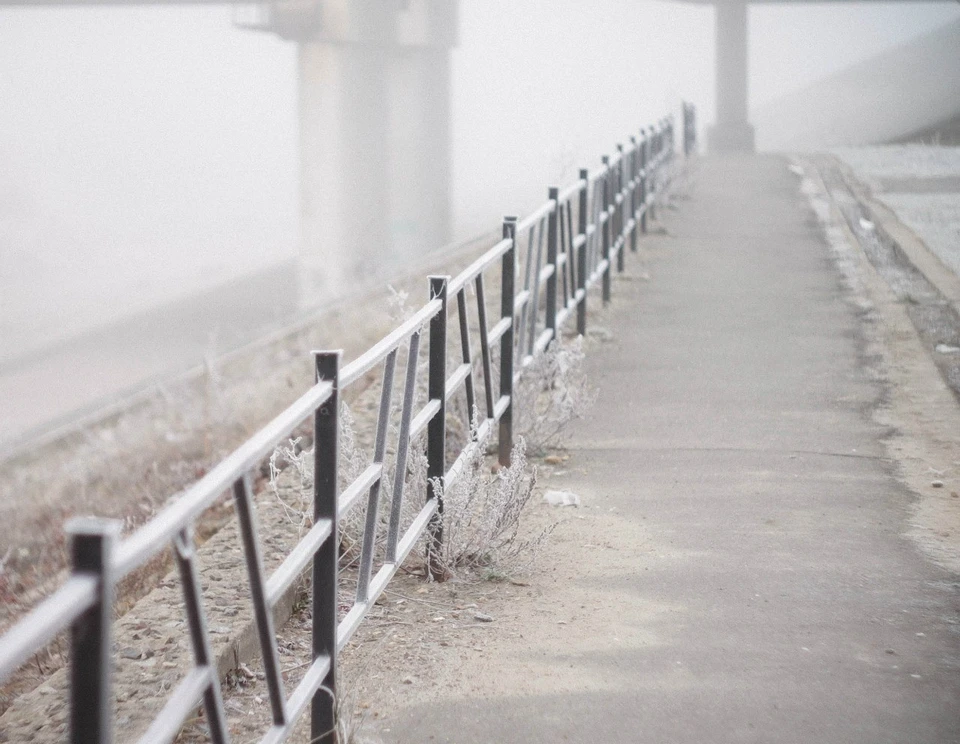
(883, 98)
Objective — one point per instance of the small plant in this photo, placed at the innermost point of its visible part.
(552, 392)
(349, 719)
(296, 505)
(481, 514)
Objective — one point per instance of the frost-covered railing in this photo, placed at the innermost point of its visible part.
(544, 267)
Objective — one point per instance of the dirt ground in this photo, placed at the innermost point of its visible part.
(131, 463)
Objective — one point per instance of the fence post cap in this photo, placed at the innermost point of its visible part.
(327, 352)
(92, 526)
(438, 285)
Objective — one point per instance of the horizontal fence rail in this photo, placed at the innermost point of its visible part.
(545, 266)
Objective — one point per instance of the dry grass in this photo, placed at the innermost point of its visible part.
(552, 392)
(482, 511)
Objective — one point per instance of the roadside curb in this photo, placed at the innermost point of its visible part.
(907, 243)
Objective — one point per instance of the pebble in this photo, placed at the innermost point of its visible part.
(598, 332)
(482, 617)
(561, 498)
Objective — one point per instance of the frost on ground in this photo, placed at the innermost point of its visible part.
(935, 218)
(918, 408)
(902, 161)
(921, 183)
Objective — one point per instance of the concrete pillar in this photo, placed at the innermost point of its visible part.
(375, 154)
(421, 162)
(344, 127)
(732, 131)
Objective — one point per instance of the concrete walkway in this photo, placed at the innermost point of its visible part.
(735, 418)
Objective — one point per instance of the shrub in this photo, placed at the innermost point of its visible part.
(482, 511)
(552, 391)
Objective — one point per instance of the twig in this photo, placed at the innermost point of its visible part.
(421, 601)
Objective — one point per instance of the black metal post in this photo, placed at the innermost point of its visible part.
(652, 182)
(644, 158)
(620, 210)
(91, 701)
(507, 270)
(689, 129)
(582, 252)
(436, 429)
(326, 448)
(262, 611)
(605, 240)
(553, 193)
(185, 553)
(634, 180)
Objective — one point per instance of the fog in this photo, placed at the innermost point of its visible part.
(149, 152)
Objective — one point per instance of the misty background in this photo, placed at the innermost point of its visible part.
(146, 153)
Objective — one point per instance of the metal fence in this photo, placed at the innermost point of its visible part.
(545, 264)
(689, 129)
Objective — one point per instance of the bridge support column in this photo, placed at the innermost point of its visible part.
(421, 128)
(420, 137)
(344, 171)
(375, 155)
(732, 131)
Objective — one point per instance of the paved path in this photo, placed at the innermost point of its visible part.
(735, 418)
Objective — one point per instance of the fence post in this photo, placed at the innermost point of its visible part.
(91, 636)
(689, 129)
(507, 270)
(326, 447)
(605, 240)
(655, 166)
(634, 181)
(553, 193)
(644, 146)
(436, 429)
(620, 211)
(582, 252)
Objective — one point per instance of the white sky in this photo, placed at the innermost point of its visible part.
(144, 149)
